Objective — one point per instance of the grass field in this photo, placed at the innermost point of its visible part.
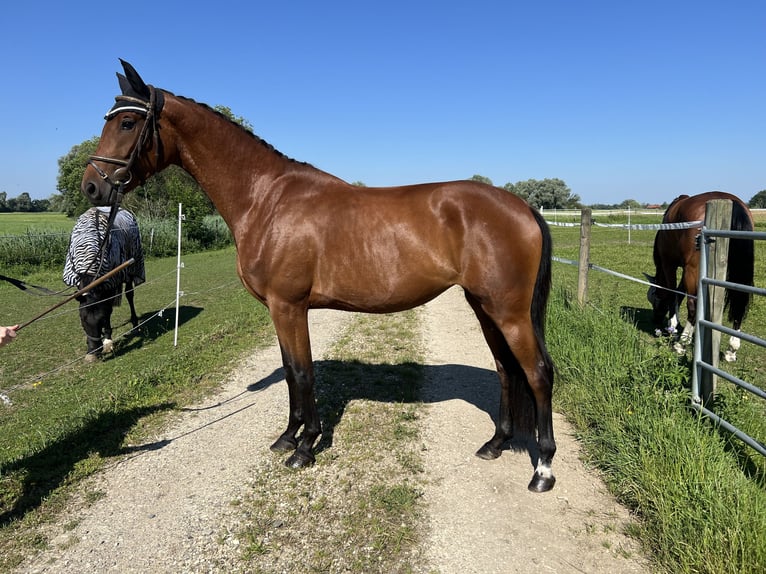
(21, 223)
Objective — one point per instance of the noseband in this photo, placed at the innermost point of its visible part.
(123, 175)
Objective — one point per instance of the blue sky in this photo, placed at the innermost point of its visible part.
(640, 100)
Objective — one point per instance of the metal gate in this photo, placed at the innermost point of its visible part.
(705, 364)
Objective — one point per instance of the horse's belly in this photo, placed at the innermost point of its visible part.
(386, 293)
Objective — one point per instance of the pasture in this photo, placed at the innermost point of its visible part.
(46, 222)
(626, 392)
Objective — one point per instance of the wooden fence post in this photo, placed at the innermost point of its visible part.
(718, 217)
(582, 277)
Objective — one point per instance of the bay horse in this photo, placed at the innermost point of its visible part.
(95, 248)
(677, 248)
(306, 239)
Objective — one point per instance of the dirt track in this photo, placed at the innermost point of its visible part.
(167, 507)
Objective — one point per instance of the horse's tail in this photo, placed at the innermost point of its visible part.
(522, 404)
(741, 263)
(542, 288)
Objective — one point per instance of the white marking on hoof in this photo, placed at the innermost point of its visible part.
(688, 333)
(90, 358)
(544, 470)
(108, 345)
(679, 348)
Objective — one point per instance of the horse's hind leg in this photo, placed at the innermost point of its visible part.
(129, 291)
(526, 381)
(502, 354)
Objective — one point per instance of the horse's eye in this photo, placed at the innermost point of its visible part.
(127, 124)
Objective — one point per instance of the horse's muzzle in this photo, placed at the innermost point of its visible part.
(97, 191)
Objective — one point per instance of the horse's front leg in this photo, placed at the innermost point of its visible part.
(730, 355)
(291, 324)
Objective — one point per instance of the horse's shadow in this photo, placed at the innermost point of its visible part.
(641, 318)
(151, 330)
(35, 477)
(338, 383)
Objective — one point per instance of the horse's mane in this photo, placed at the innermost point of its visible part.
(257, 138)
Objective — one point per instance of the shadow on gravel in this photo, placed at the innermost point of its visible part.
(29, 481)
(341, 382)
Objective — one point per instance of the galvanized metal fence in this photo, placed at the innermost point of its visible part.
(706, 342)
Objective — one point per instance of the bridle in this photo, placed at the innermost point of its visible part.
(123, 175)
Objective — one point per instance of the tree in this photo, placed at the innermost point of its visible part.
(22, 203)
(547, 193)
(71, 170)
(758, 201)
(481, 179)
(630, 204)
(226, 111)
(521, 191)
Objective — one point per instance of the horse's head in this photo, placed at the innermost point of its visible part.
(122, 159)
(664, 303)
(651, 294)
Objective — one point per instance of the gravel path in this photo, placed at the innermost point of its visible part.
(167, 508)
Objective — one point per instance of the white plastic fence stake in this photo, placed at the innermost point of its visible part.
(179, 265)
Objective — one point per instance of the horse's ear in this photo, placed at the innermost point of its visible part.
(131, 83)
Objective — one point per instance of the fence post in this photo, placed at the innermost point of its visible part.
(717, 217)
(584, 265)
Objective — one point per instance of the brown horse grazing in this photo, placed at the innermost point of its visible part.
(674, 248)
(306, 239)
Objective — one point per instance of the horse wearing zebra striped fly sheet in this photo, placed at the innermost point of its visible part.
(91, 254)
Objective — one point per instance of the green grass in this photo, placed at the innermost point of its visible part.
(45, 222)
(701, 506)
(699, 492)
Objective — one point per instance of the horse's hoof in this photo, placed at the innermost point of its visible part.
(108, 346)
(488, 452)
(679, 349)
(299, 460)
(730, 357)
(90, 358)
(541, 483)
(284, 445)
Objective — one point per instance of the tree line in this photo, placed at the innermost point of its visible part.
(23, 203)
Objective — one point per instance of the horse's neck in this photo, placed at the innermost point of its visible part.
(230, 164)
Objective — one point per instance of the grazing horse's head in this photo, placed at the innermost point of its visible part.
(663, 303)
(119, 163)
